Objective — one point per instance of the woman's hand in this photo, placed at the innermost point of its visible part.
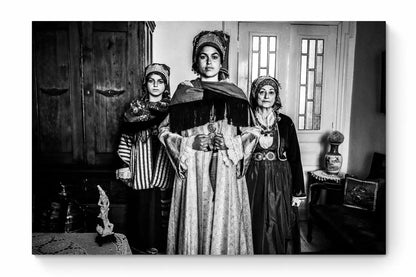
(296, 201)
(219, 142)
(201, 142)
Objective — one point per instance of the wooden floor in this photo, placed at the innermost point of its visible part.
(319, 245)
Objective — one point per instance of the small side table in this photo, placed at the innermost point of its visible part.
(320, 181)
(322, 176)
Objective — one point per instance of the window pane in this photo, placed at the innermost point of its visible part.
(263, 52)
(301, 123)
(272, 62)
(311, 76)
(255, 66)
(263, 71)
(272, 44)
(320, 47)
(319, 70)
(302, 100)
(303, 71)
(317, 100)
(309, 107)
(304, 46)
(312, 53)
(316, 122)
(310, 87)
(255, 43)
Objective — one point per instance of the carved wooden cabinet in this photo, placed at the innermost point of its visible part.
(84, 75)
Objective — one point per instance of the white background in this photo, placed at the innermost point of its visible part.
(16, 167)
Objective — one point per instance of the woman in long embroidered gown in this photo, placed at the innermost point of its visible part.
(275, 175)
(210, 210)
(148, 172)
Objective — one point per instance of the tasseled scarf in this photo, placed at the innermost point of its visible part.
(228, 100)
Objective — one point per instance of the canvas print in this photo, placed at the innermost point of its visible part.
(205, 138)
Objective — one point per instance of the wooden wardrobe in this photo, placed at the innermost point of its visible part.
(84, 75)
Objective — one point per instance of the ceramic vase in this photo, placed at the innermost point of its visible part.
(333, 159)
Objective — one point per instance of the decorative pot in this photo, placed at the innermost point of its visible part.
(333, 159)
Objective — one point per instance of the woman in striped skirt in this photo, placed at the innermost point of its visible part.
(148, 172)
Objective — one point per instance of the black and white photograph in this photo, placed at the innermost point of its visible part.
(208, 137)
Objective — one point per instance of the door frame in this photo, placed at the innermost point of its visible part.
(344, 69)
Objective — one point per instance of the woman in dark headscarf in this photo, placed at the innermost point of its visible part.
(148, 174)
(210, 209)
(275, 175)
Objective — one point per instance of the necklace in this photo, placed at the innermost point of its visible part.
(266, 130)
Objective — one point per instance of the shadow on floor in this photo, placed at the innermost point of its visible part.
(319, 244)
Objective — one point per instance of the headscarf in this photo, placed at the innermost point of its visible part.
(164, 72)
(217, 39)
(192, 104)
(261, 82)
(143, 114)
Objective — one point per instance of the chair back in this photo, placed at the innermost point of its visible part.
(378, 166)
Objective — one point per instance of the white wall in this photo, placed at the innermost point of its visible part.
(368, 124)
(172, 45)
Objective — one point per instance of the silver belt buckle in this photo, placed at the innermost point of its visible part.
(271, 156)
(258, 156)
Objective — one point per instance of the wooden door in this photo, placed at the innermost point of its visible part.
(57, 117)
(112, 74)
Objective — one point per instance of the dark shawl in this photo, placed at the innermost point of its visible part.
(289, 144)
(149, 115)
(191, 105)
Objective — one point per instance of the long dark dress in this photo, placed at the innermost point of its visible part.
(271, 185)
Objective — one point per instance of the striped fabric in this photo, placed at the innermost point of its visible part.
(164, 173)
(137, 153)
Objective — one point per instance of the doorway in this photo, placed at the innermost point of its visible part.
(305, 58)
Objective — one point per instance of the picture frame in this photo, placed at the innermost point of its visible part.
(360, 194)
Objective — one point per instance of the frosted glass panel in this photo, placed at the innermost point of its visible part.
(317, 100)
(263, 52)
(272, 62)
(263, 71)
(320, 47)
(301, 123)
(312, 53)
(302, 100)
(255, 66)
(303, 71)
(316, 125)
(309, 107)
(255, 43)
(272, 44)
(319, 70)
(304, 46)
(311, 77)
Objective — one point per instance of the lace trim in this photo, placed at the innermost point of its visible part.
(235, 150)
(184, 154)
